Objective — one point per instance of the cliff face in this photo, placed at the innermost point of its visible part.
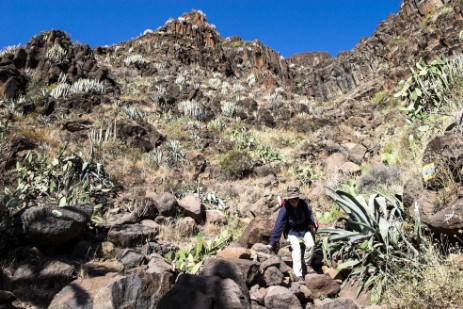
(420, 29)
(427, 28)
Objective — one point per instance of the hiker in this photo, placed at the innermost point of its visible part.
(297, 224)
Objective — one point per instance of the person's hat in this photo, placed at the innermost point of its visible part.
(292, 192)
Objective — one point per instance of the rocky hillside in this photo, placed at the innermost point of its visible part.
(148, 174)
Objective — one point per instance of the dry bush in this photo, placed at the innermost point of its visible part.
(437, 285)
(235, 164)
(378, 175)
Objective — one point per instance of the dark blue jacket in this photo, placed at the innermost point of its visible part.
(292, 221)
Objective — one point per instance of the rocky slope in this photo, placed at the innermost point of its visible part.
(181, 131)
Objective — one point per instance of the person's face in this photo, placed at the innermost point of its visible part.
(293, 202)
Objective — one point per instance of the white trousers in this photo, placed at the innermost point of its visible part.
(296, 245)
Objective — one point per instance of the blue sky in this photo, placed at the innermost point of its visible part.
(287, 26)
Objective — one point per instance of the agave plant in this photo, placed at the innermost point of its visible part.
(372, 241)
(190, 259)
(430, 85)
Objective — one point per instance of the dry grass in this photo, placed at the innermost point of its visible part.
(437, 285)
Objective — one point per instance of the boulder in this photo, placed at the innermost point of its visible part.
(273, 276)
(416, 195)
(350, 168)
(130, 258)
(225, 293)
(144, 138)
(150, 223)
(53, 226)
(446, 153)
(321, 285)
(130, 235)
(182, 297)
(234, 253)
(14, 86)
(279, 297)
(160, 247)
(157, 264)
(301, 291)
(337, 303)
(215, 216)
(257, 294)
(448, 221)
(186, 227)
(166, 204)
(358, 154)
(334, 163)
(273, 260)
(6, 298)
(258, 231)
(145, 208)
(191, 207)
(81, 292)
(38, 279)
(135, 291)
(105, 250)
(43, 269)
(243, 272)
(94, 269)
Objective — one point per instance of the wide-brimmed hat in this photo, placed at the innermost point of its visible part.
(292, 192)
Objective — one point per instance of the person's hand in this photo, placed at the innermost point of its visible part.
(313, 230)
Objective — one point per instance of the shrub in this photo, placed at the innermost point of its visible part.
(190, 259)
(228, 109)
(437, 284)
(9, 49)
(268, 154)
(244, 138)
(57, 54)
(378, 175)
(61, 90)
(65, 180)
(84, 85)
(429, 87)
(235, 164)
(218, 124)
(379, 97)
(391, 158)
(304, 173)
(373, 239)
(136, 59)
(193, 109)
(174, 155)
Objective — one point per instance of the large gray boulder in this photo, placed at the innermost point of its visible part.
(243, 272)
(446, 153)
(131, 235)
(279, 297)
(225, 293)
(81, 292)
(165, 203)
(321, 285)
(258, 231)
(135, 291)
(182, 297)
(191, 206)
(337, 303)
(53, 226)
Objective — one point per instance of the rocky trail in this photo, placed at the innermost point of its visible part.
(149, 173)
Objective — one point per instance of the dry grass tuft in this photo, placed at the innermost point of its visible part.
(437, 285)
